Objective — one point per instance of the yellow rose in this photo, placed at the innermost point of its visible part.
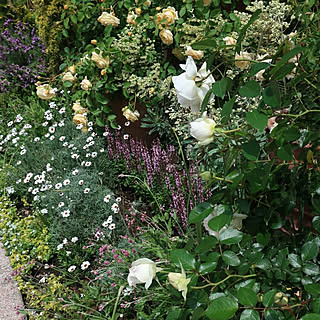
(69, 77)
(100, 61)
(45, 92)
(76, 106)
(130, 115)
(239, 60)
(107, 18)
(93, 41)
(159, 18)
(86, 84)
(170, 14)
(195, 54)
(166, 36)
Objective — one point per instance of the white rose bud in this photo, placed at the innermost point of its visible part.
(86, 84)
(69, 77)
(239, 60)
(202, 129)
(142, 271)
(195, 54)
(130, 115)
(100, 61)
(45, 92)
(179, 282)
(166, 36)
(107, 18)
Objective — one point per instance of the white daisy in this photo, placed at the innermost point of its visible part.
(85, 265)
(72, 268)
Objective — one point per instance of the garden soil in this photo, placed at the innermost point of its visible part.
(10, 296)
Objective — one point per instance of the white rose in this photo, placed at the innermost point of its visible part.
(45, 92)
(202, 129)
(195, 54)
(166, 36)
(192, 85)
(85, 84)
(107, 18)
(142, 271)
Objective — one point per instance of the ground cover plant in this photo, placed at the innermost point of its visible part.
(169, 168)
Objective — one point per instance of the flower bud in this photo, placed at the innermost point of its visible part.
(72, 69)
(138, 11)
(202, 129)
(86, 84)
(94, 42)
(130, 115)
(206, 175)
(281, 299)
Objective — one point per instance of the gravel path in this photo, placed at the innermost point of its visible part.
(10, 297)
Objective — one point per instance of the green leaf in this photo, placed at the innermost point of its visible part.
(230, 258)
(222, 308)
(294, 260)
(249, 315)
(247, 297)
(206, 244)
(250, 89)
(243, 31)
(74, 19)
(310, 269)
(230, 236)
(309, 250)
(256, 67)
(268, 298)
(223, 217)
(206, 100)
(271, 95)
(182, 12)
(174, 314)
(283, 71)
(101, 98)
(316, 305)
(313, 288)
(251, 150)
(287, 57)
(226, 110)
(257, 120)
(187, 260)
(272, 315)
(311, 316)
(200, 212)
(316, 223)
(204, 44)
(207, 267)
(285, 153)
(67, 84)
(291, 134)
(220, 87)
(99, 122)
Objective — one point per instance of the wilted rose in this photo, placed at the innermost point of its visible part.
(107, 18)
(179, 282)
(166, 36)
(68, 76)
(85, 84)
(240, 60)
(195, 54)
(100, 61)
(45, 92)
(230, 41)
(130, 115)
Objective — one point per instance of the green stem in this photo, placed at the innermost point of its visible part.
(228, 131)
(296, 115)
(116, 304)
(211, 284)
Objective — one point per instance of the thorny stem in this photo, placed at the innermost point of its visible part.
(211, 284)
